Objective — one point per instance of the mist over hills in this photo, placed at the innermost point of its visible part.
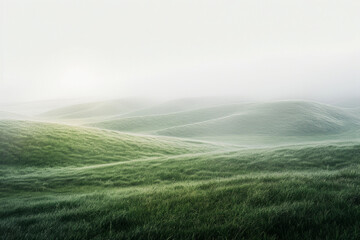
(177, 120)
(128, 107)
(97, 109)
(33, 108)
(301, 119)
(152, 122)
(186, 104)
(131, 169)
(10, 115)
(279, 118)
(216, 119)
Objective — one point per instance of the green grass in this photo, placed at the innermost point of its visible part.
(273, 206)
(66, 182)
(46, 144)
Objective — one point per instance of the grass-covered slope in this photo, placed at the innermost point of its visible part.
(273, 119)
(70, 182)
(152, 123)
(44, 144)
(248, 123)
(300, 192)
(96, 109)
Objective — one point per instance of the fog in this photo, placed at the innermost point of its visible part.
(306, 49)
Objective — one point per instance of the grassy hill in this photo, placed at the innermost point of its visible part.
(274, 119)
(152, 123)
(240, 123)
(60, 181)
(45, 144)
(65, 182)
(96, 109)
(128, 107)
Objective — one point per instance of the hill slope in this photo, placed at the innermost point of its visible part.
(273, 119)
(301, 192)
(151, 123)
(24, 143)
(69, 182)
(296, 119)
(96, 109)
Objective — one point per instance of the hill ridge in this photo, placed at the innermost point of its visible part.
(31, 143)
(289, 118)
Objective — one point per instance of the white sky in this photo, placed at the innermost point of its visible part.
(115, 48)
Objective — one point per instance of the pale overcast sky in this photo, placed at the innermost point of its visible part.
(114, 48)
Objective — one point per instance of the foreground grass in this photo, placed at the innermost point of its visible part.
(273, 206)
(194, 191)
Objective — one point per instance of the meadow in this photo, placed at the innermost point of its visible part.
(186, 169)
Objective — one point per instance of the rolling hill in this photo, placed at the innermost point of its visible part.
(280, 118)
(46, 144)
(153, 177)
(152, 123)
(96, 109)
(236, 122)
(60, 181)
